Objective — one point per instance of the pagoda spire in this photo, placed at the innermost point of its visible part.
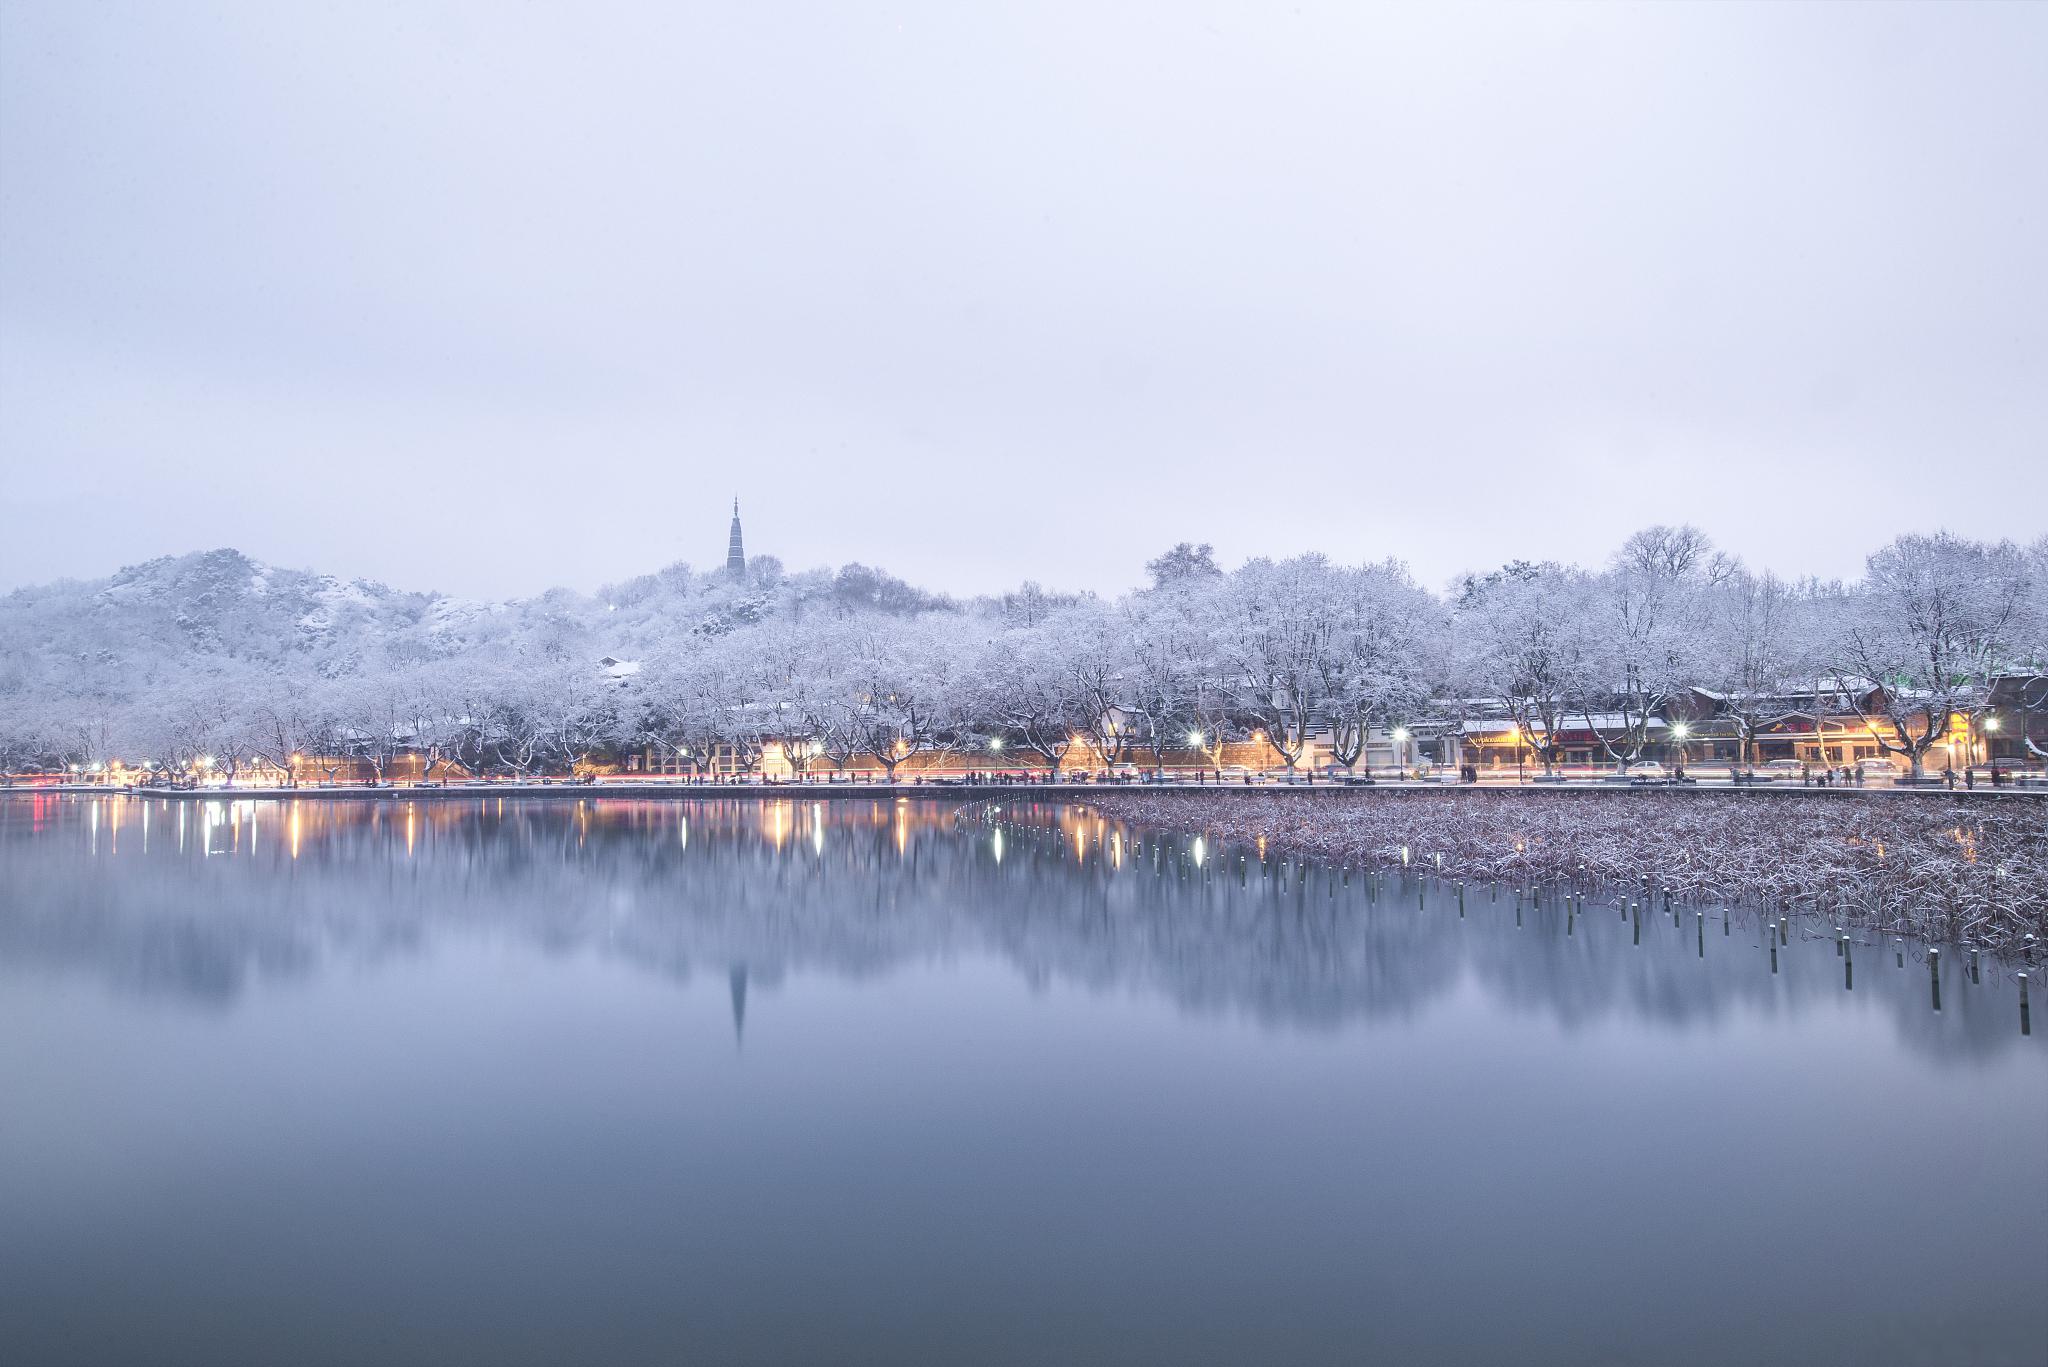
(735, 553)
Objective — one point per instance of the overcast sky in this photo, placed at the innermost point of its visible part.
(487, 298)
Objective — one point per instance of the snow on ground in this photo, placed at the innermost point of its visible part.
(1948, 871)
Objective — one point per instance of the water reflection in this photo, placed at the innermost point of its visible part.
(198, 899)
(743, 1082)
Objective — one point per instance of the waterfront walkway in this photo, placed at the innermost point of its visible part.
(683, 790)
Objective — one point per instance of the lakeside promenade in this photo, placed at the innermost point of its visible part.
(1075, 790)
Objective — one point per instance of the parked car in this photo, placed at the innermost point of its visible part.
(1647, 769)
(1877, 766)
(1783, 768)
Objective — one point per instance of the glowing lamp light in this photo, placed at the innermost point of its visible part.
(996, 746)
(1681, 730)
(1991, 723)
(1400, 733)
(1194, 738)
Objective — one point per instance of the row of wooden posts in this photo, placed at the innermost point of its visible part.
(1777, 933)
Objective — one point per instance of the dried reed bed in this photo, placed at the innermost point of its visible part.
(1943, 870)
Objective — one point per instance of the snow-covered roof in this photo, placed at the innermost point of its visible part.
(1606, 721)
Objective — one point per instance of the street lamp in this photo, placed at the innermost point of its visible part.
(1679, 731)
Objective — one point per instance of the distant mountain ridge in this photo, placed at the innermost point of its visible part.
(206, 612)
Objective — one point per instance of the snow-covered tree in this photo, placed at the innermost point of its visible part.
(1757, 639)
(1385, 656)
(1279, 624)
(1520, 639)
(1933, 622)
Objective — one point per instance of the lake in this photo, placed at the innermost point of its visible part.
(747, 1081)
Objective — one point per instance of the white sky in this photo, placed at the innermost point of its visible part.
(494, 297)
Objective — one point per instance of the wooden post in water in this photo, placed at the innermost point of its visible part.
(1638, 924)
(1848, 966)
(1973, 965)
(1700, 926)
(1461, 899)
(1934, 973)
(2026, 1024)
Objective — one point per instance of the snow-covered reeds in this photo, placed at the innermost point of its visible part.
(1962, 872)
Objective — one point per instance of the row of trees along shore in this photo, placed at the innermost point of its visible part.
(854, 669)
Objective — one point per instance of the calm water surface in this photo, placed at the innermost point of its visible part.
(867, 1083)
